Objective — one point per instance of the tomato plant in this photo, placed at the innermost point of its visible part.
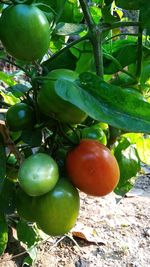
(38, 174)
(29, 35)
(75, 78)
(57, 211)
(92, 168)
(19, 117)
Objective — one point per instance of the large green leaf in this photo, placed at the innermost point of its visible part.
(106, 103)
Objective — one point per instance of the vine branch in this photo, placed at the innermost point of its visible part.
(139, 51)
(95, 35)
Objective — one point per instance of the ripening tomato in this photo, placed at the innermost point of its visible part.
(92, 168)
(25, 32)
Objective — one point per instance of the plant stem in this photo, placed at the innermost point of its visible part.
(95, 35)
(139, 52)
(120, 34)
(86, 37)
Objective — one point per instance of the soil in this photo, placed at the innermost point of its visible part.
(110, 231)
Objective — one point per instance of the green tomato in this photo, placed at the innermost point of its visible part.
(25, 205)
(19, 116)
(53, 105)
(25, 32)
(57, 211)
(95, 133)
(38, 174)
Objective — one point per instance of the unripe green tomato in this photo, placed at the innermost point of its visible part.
(25, 205)
(94, 133)
(53, 105)
(25, 32)
(57, 211)
(38, 174)
(20, 116)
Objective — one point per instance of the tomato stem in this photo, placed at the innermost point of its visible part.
(95, 32)
(67, 47)
(139, 52)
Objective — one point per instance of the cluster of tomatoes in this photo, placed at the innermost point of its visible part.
(53, 201)
(44, 195)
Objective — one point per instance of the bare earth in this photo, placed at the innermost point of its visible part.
(110, 232)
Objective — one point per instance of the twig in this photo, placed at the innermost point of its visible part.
(8, 141)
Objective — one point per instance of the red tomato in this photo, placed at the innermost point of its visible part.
(92, 168)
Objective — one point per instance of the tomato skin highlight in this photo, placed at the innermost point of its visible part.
(24, 32)
(20, 116)
(57, 211)
(92, 168)
(53, 105)
(38, 174)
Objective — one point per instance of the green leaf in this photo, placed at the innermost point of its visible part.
(143, 148)
(32, 137)
(18, 90)
(144, 13)
(7, 78)
(145, 74)
(107, 103)
(27, 233)
(128, 160)
(9, 98)
(126, 54)
(65, 60)
(7, 197)
(107, 17)
(96, 13)
(128, 4)
(129, 165)
(3, 233)
(142, 144)
(68, 29)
